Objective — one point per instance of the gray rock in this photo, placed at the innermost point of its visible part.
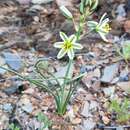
(13, 88)
(25, 105)
(24, 2)
(1, 106)
(121, 10)
(109, 73)
(89, 124)
(2, 71)
(93, 105)
(4, 120)
(28, 108)
(41, 1)
(85, 111)
(120, 128)
(13, 60)
(8, 107)
(124, 75)
(109, 91)
(2, 63)
(124, 86)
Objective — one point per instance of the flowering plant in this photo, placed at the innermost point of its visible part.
(62, 92)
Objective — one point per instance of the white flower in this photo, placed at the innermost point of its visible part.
(67, 46)
(102, 27)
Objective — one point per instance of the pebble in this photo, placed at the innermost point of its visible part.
(85, 112)
(4, 120)
(124, 75)
(109, 91)
(109, 73)
(8, 107)
(89, 124)
(41, 1)
(13, 88)
(124, 86)
(26, 104)
(13, 60)
(2, 63)
(121, 11)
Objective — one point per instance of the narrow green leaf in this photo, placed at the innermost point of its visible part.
(66, 12)
(82, 6)
(95, 5)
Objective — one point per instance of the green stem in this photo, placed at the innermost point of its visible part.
(80, 27)
(61, 109)
(67, 72)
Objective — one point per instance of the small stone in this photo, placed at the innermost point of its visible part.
(13, 60)
(121, 11)
(24, 2)
(36, 18)
(41, 1)
(2, 61)
(106, 120)
(89, 124)
(120, 128)
(109, 73)
(97, 73)
(8, 107)
(13, 88)
(124, 86)
(2, 71)
(76, 121)
(26, 105)
(4, 120)
(93, 105)
(87, 79)
(70, 113)
(30, 91)
(115, 80)
(3, 95)
(64, 3)
(28, 108)
(85, 112)
(109, 91)
(127, 26)
(124, 75)
(79, 128)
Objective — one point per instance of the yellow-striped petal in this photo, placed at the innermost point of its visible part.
(70, 53)
(102, 18)
(77, 46)
(63, 36)
(104, 22)
(61, 53)
(58, 44)
(92, 25)
(72, 38)
(103, 36)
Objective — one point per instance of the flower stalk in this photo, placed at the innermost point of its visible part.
(62, 92)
